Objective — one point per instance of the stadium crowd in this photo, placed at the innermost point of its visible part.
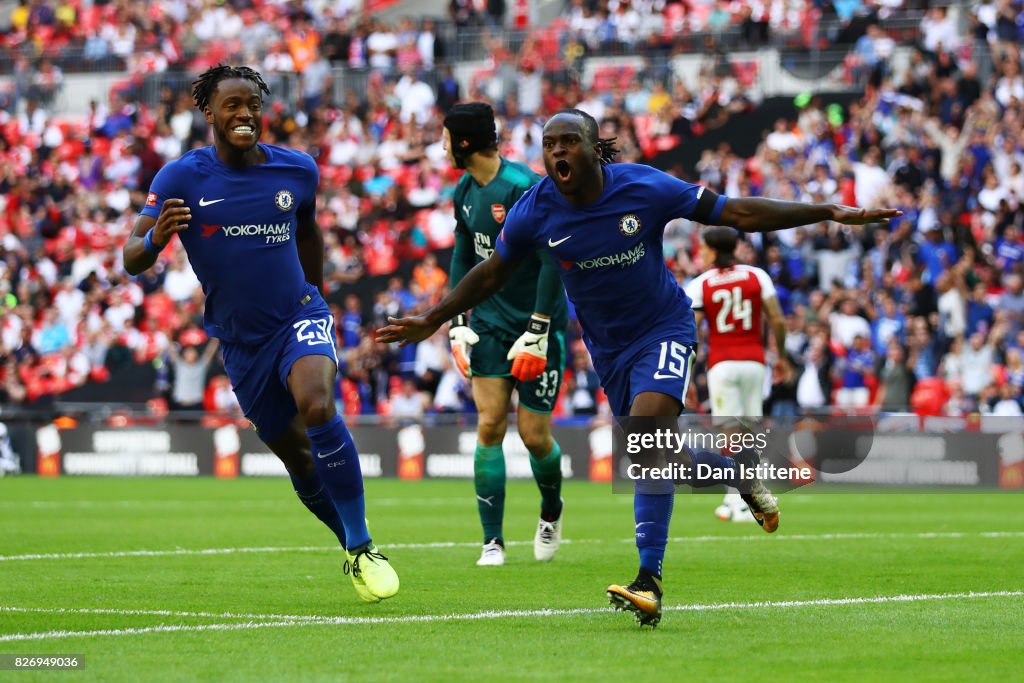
(930, 308)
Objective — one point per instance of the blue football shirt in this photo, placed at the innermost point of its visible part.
(241, 240)
(610, 254)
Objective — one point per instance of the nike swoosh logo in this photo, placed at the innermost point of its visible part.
(327, 455)
(203, 202)
(552, 243)
(658, 375)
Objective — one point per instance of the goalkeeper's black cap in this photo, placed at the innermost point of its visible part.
(471, 128)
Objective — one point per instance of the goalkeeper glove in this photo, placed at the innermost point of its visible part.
(529, 355)
(461, 338)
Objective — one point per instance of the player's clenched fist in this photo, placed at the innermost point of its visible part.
(529, 355)
(174, 217)
(461, 337)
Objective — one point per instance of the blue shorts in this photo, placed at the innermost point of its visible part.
(259, 373)
(663, 367)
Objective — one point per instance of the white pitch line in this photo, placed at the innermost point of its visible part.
(159, 613)
(472, 544)
(256, 502)
(497, 614)
(161, 553)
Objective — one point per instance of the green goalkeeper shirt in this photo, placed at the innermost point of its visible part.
(535, 287)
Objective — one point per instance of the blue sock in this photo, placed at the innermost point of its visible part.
(312, 493)
(652, 513)
(337, 463)
(725, 469)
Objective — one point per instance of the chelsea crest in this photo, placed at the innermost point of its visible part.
(629, 224)
(283, 200)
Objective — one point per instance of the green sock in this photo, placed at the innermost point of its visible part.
(548, 473)
(489, 482)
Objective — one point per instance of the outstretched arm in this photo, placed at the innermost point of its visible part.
(756, 214)
(480, 283)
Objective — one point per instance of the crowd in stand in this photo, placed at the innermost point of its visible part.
(931, 306)
(153, 36)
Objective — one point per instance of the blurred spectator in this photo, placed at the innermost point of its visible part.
(951, 304)
(939, 31)
(855, 369)
(180, 283)
(896, 379)
(352, 322)
(429, 280)
(448, 90)
(416, 96)
(847, 324)
(887, 326)
(813, 390)
(316, 82)
(190, 368)
(979, 313)
(582, 385)
(381, 46)
(10, 461)
(52, 336)
(1010, 306)
(782, 397)
(407, 404)
(454, 393)
(463, 13)
(221, 397)
(1006, 401)
(431, 356)
(976, 363)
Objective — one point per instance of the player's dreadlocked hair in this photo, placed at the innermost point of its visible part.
(204, 86)
(609, 151)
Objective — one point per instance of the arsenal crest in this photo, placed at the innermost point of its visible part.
(498, 211)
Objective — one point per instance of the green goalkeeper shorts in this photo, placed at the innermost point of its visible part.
(487, 358)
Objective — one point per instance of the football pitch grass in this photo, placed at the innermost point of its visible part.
(202, 579)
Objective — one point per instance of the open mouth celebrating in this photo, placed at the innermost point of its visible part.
(563, 170)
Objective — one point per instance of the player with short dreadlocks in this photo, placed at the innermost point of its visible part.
(603, 224)
(204, 86)
(517, 336)
(245, 213)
